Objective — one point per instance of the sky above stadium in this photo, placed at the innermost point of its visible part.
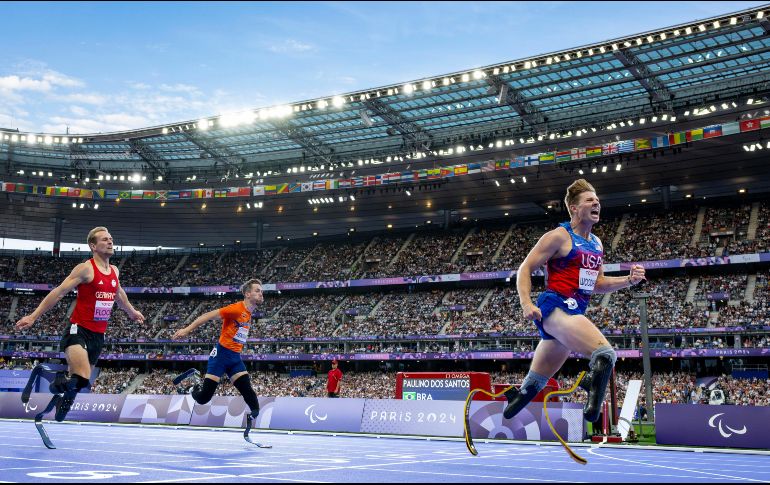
(101, 67)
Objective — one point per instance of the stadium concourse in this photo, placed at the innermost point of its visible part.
(387, 227)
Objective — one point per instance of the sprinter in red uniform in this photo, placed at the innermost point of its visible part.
(573, 257)
(98, 285)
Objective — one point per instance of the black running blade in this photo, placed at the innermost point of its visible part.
(258, 445)
(31, 382)
(44, 435)
(184, 375)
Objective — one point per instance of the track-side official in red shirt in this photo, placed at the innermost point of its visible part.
(333, 382)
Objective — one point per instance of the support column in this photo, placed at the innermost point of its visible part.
(260, 234)
(665, 193)
(58, 223)
(642, 297)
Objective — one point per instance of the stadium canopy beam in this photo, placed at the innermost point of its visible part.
(765, 24)
(76, 156)
(150, 156)
(506, 95)
(309, 143)
(659, 94)
(414, 136)
(218, 152)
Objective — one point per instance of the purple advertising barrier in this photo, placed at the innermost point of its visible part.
(317, 414)
(157, 409)
(705, 425)
(486, 421)
(101, 408)
(12, 407)
(487, 275)
(14, 379)
(423, 418)
(230, 411)
(710, 353)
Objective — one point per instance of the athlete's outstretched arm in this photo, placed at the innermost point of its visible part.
(123, 303)
(608, 284)
(184, 332)
(122, 300)
(545, 249)
(79, 274)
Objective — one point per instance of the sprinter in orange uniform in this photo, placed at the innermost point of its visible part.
(226, 356)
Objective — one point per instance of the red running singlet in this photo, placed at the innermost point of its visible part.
(95, 300)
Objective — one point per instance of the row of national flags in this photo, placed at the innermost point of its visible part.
(559, 156)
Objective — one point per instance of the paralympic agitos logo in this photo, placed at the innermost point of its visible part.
(724, 433)
(314, 418)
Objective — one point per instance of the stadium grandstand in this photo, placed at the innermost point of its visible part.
(387, 224)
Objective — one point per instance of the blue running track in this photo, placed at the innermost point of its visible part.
(153, 454)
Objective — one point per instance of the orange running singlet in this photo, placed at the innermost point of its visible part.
(236, 321)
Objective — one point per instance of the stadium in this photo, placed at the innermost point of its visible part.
(387, 227)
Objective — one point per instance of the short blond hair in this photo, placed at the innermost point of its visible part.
(247, 286)
(92, 234)
(574, 190)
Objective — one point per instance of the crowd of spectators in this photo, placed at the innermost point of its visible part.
(286, 263)
(113, 381)
(648, 237)
(733, 285)
(428, 254)
(46, 269)
(668, 387)
(158, 381)
(747, 313)
(516, 248)
(378, 255)
(302, 316)
(8, 265)
(151, 270)
(480, 248)
(399, 314)
(666, 308)
(52, 323)
(22, 364)
(328, 262)
(363, 303)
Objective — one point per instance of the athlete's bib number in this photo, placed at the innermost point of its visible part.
(588, 279)
(241, 335)
(213, 352)
(103, 309)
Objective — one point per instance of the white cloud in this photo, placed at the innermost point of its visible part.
(78, 111)
(16, 83)
(59, 79)
(84, 98)
(37, 79)
(95, 124)
(183, 88)
(291, 46)
(60, 101)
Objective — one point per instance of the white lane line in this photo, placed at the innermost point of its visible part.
(495, 477)
(109, 465)
(697, 472)
(603, 472)
(359, 467)
(175, 480)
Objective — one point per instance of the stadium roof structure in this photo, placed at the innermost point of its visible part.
(669, 70)
(689, 75)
